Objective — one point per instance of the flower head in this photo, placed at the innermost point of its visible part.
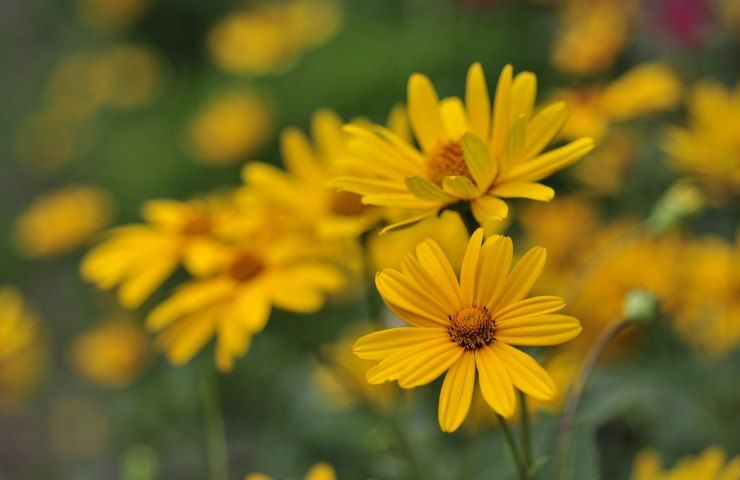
(467, 325)
(469, 152)
(319, 471)
(712, 463)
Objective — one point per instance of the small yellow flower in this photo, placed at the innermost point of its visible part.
(469, 152)
(110, 16)
(467, 325)
(60, 221)
(231, 127)
(711, 464)
(319, 471)
(133, 74)
(112, 354)
(708, 148)
(23, 349)
(138, 258)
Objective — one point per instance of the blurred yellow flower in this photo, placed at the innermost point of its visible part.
(319, 471)
(469, 153)
(133, 73)
(592, 34)
(711, 464)
(709, 146)
(112, 354)
(78, 86)
(60, 221)
(63, 140)
(138, 258)
(110, 16)
(263, 268)
(646, 88)
(272, 36)
(23, 350)
(230, 127)
(467, 325)
(611, 163)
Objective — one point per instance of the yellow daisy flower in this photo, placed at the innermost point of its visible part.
(711, 464)
(264, 269)
(138, 258)
(319, 471)
(61, 221)
(467, 325)
(469, 152)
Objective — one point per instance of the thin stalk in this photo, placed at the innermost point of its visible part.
(213, 421)
(579, 387)
(526, 431)
(515, 455)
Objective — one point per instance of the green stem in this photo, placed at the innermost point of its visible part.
(215, 431)
(518, 461)
(526, 432)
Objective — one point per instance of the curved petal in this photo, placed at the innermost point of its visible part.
(469, 271)
(538, 331)
(544, 127)
(501, 112)
(530, 307)
(521, 279)
(477, 102)
(397, 291)
(452, 114)
(437, 267)
(494, 381)
(457, 392)
(533, 191)
(425, 189)
(550, 162)
(479, 161)
(526, 374)
(460, 187)
(496, 255)
(430, 365)
(424, 112)
(382, 344)
(487, 208)
(523, 93)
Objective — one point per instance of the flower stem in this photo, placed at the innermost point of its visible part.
(216, 452)
(518, 461)
(526, 431)
(576, 393)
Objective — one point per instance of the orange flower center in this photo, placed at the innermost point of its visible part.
(198, 224)
(472, 328)
(347, 204)
(244, 267)
(447, 161)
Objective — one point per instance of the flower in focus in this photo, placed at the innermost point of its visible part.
(467, 325)
(711, 464)
(708, 148)
(138, 258)
(60, 221)
(271, 37)
(264, 267)
(646, 88)
(319, 471)
(230, 127)
(301, 188)
(469, 152)
(23, 350)
(112, 354)
(592, 34)
(110, 16)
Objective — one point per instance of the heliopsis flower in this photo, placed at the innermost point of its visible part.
(468, 152)
(230, 127)
(23, 349)
(112, 354)
(60, 221)
(138, 258)
(301, 189)
(592, 34)
(467, 325)
(264, 269)
(646, 88)
(319, 471)
(708, 147)
(711, 464)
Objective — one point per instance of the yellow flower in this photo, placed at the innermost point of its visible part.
(138, 258)
(469, 153)
(271, 37)
(112, 354)
(301, 189)
(133, 73)
(60, 221)
(467, 325)
(711, 464)
(264, 268)
(110, 16)
(592, 34)
(23, 350)
(646, 88)
(319, 471)
(231, 127)
(708, 148)
(611, 163)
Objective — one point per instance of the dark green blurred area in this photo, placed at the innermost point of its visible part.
(276, 421)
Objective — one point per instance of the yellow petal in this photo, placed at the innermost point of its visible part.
(184, 339)
(521, 279)
(436, 265)
(477, 102)
(398, 123)
(496, 255)
(544, 127)
(384, 343)
(469, 271)
(515, 145)
(533, 191)
(396, 290)
(526, 374)
(488, 208)
(494, 381)
(430, 365)
(424, 112)
(321, 471)
(140, 285)
(452, 113)
(251, 308)
(187, 299)
(457, 392)
(501, 112)
(550, 162)
(530, 307)
(409, 221)
(538, 331)
(426, 190)
(479, 160)
(405, 201)
(298, 155)
(523, 93)
(326, 130)
(460, 187)
(395, 365)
